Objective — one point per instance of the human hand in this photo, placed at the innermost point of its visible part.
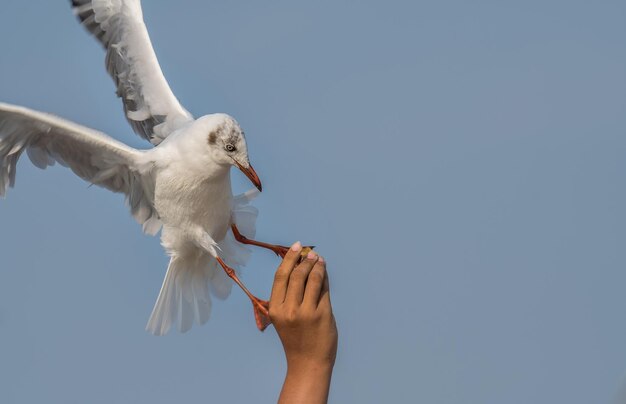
(301, 312)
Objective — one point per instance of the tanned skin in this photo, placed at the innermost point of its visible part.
(302, 314)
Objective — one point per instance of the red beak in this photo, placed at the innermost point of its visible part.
(251, 174)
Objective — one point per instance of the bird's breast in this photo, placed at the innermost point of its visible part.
(183, 200)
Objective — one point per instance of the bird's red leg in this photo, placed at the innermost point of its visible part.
(279, 250)
(261, 307)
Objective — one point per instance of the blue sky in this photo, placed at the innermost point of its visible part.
(460, 164)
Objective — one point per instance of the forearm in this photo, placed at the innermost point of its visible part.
(306, 383)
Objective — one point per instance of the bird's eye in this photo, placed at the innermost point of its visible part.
(230, 148)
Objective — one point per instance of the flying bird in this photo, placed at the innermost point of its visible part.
(181, 186)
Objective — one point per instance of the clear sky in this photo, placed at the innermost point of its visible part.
(462, 166)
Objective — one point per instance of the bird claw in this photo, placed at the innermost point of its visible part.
(281, 251)
(262, 314)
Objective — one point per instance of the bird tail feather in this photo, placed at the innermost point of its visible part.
(184, 296)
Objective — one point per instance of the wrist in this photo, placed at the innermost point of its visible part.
(310, 366)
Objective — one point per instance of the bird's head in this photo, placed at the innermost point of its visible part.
(226, 143)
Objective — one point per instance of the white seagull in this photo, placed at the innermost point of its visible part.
(181, 186)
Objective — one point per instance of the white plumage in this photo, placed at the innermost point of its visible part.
(181, 186)
(151, 108)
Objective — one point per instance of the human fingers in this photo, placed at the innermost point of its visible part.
(298, 277)
(324, 297)
(281, 278)
(314, 284)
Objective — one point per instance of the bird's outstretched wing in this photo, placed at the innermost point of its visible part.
(150, 106)
(92, 155)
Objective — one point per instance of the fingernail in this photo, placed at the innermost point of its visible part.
(297, 246)
(311, 255)
(321, 259)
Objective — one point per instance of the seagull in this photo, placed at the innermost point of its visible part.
(181, 186)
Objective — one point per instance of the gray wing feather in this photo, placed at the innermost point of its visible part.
(149, 104)
(92, 155)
